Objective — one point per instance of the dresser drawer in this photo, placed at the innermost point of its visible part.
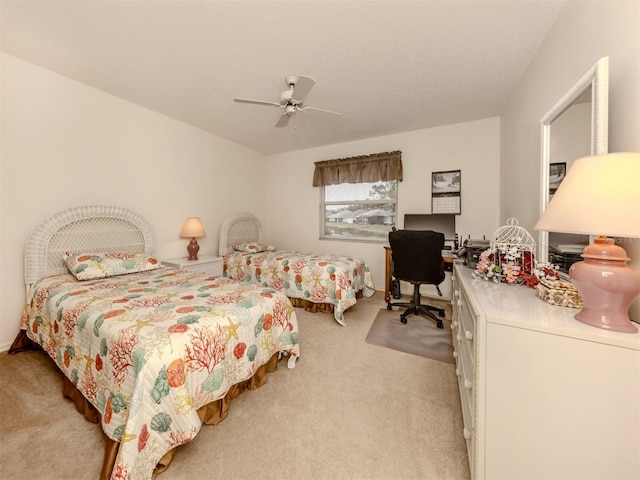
(467, 372)
(467, 431)
(465, 387)
(467, 326)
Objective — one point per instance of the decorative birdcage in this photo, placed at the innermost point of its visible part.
(510, 257)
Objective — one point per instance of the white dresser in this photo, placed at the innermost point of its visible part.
(205, 263)
(543, 396)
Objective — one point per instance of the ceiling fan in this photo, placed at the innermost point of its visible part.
(291, 100)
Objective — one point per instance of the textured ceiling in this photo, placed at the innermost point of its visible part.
(388, 66)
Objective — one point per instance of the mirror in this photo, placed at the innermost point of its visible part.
(575, 127)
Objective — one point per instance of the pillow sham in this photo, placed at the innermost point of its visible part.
(91, 266)
(253, 247)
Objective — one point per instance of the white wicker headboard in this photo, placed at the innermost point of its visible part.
(91, 229)
(240, 228)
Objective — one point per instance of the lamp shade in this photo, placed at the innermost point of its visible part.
(599, 196)
(192, 228)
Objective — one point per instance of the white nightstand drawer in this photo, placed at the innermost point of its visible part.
(206, 264)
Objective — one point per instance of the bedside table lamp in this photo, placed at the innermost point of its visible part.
(601, 196)
(193, 229)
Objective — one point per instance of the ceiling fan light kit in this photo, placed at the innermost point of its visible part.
(291, 99)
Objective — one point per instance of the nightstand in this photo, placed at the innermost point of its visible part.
(206, 264)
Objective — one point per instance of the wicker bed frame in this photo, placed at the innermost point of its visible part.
(92, 228)
(100, 228)
(239, 228)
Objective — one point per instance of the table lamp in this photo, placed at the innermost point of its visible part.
(600, 195)
(193, 229)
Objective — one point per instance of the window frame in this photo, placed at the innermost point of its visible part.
(356, 239)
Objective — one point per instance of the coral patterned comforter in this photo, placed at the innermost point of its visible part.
(149, 349)
(321, 278)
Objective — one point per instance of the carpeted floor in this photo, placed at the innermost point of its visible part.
(419, 336)
(349, 410)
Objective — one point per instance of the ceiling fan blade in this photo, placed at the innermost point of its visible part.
(320, 111)
(302, 87)
(284, 120)
(255, 102)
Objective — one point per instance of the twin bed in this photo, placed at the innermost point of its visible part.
(149, 352)
(152, 353)
(317, 282)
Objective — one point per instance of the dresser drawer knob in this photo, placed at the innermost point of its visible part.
(458, 373)
(467, 384)
(467, 434)
(468, 335)
(455, 354)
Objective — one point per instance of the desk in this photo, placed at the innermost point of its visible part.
(388, 270)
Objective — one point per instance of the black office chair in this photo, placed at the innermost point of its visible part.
(417, 259)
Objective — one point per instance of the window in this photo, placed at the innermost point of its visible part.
(358, 211)
(358, 196)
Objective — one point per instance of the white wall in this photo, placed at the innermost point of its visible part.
(293, 217)
(585, 31)
(65, 144)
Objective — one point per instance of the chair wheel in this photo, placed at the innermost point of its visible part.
(441, 313)
(388, 306)
(403, 319)
(440, 324)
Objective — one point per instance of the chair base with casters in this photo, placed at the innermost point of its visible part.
(417, 308)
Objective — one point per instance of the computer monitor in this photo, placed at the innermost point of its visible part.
(439, 222)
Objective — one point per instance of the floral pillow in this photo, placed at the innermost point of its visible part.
(253, 247)
(90, 266)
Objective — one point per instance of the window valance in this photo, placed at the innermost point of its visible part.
(362, 169)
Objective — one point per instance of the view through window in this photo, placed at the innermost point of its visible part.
(359, 211)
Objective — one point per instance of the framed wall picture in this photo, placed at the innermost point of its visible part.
(445, 191)
(557, 172)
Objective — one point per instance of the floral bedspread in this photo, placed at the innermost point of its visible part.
(318, 278)
(149, 349)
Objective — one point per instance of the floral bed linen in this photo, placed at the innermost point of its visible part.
(149, 349)
(318, 278)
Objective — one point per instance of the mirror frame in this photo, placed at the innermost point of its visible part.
(597, 78)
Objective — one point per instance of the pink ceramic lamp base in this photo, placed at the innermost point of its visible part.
(608, 286)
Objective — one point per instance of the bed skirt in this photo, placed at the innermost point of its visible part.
(210, 414)
(309, 306)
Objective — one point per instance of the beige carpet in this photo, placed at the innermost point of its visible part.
(349, 410)
(419, 336)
